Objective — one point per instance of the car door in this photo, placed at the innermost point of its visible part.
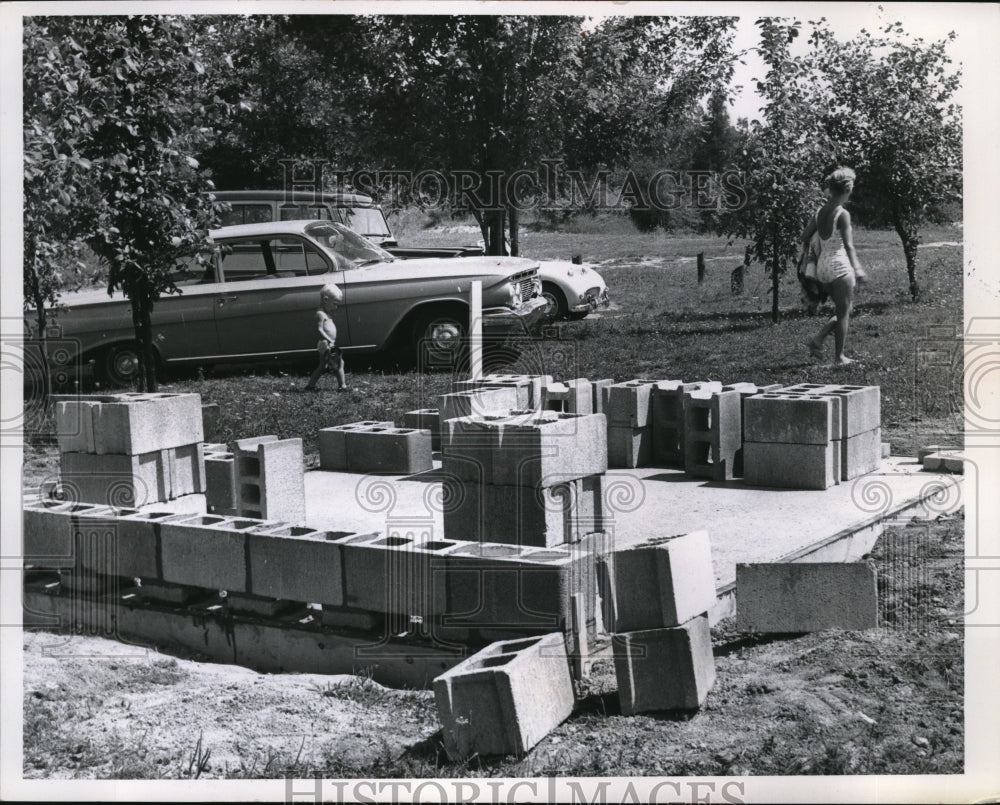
(262, 310)
(183, 323)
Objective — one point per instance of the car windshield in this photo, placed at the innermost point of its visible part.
(341, 240)
(366, 221)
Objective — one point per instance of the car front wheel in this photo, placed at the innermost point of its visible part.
(439, 340)
(557, 308)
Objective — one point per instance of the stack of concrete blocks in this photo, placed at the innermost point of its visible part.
(713, 423)
(506, 698)
(270, 482)
(657, 608)
(524, 478)
(861, 425)
(375, 447)
(745, 390)
(131, 449)
(667, 419)
(630, 432)
(793, 441)
(528, 387)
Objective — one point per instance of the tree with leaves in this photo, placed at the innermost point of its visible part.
(889, 107)
(781, 160)
(120, 100)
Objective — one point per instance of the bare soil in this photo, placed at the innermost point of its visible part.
(885, 701)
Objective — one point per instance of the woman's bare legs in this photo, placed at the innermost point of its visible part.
(842, 293)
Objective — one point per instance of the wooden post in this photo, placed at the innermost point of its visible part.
(701, 267)
(476, 330)
(578, 614)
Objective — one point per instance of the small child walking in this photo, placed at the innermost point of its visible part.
(330, 297)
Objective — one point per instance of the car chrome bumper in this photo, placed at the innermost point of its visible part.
(502, 320)
(590, 302)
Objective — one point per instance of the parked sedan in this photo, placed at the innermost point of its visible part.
(259, 293)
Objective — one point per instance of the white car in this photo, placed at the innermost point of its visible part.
(572, 290)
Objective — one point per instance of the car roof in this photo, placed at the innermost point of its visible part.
(302, 196)
(267, 228)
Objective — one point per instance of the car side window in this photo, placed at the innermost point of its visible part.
(246, 214)
(246, 259)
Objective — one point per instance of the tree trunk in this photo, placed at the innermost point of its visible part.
(483, 228)
(141, 321)
(775, 279)
(910, 240)
(515, 240)
(43, 351)
(496, 220)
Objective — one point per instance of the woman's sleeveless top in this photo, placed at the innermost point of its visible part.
(833, 261)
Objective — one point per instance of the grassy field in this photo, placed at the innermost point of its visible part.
(662, 324)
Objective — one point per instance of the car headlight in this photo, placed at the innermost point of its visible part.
(513, 295)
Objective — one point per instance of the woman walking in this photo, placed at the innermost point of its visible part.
(831, 243)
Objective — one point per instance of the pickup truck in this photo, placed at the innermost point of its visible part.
(258, 296)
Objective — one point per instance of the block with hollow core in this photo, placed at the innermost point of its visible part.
(481, 401)
(659, 583)
(555, 396)
(270, 477)
(139, 539)
(667, 418)
(523, 387)
(205, 551)
(550, 450)
(220, 483)
(134, 424)
(746, 390)
(48, 531)
(75, 425)
(580, 397)
(787, 597)
(505, 698)
(791, 466)
(629, 447)
(296, 563)
(791, 418)
(333, 443)
(522, 590)
(627, 404)
(664, 669)
(712, 433)
(425, 419)
(541, 516)
(394, 574)
(394, 451)
(861, 411)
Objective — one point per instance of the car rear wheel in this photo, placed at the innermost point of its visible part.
(119, 365)
(557, 308)
(439, 340)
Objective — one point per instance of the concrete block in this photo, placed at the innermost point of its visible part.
(214, 448)
(542, 516)
(664, 669)
(116, 479)
(506, 698)
(953, 462)
(187, 469)
(333, 443)
(139, 539)
(481, 401)
(860, 454)
(580, 397)
(791, 466)
(745, 390)
(141, 423)
(599, 393)
(555, 396)
(394, 574)
(48, 531)
(923, 452)
(220, 483)
(628, 403)
(790, 419)
(667, 417)
(297, 563)
(629, 447)
(523, 386)
(550, 450)
(396, 451)
(425, 419)
(712, 433)
(861, 410)
(660, 583)
(805, 596)
(75, 426)
(526, 590)
(270, 478)
(886, 449)
(468, 445)
(185, 504)
(204, 551)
